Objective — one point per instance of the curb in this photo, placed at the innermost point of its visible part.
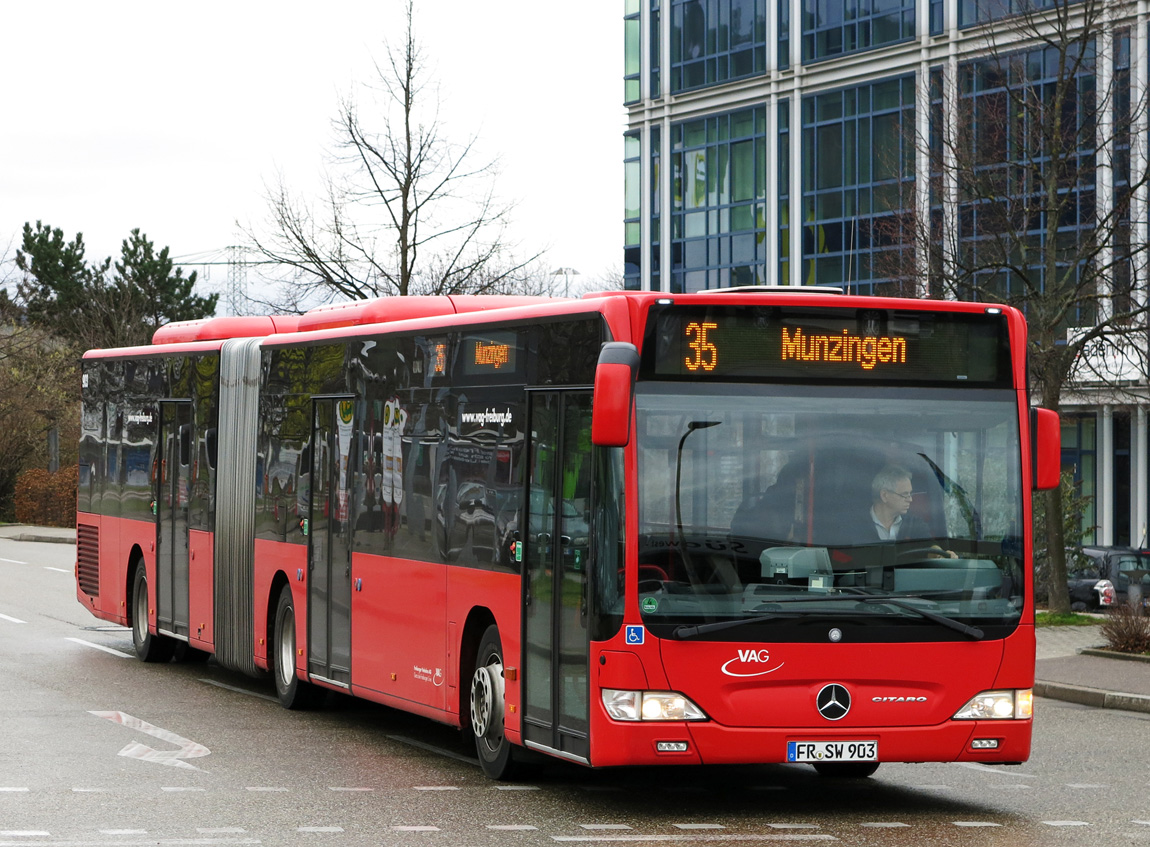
(43, 539)
(1096, 697)
(1111, 654)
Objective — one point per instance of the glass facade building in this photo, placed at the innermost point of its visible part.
(806, 142)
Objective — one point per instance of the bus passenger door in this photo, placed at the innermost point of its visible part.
(329, 541)
(556, 643)
(173, 497)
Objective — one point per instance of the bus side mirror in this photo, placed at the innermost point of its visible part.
(1045, 448)
(614, 394)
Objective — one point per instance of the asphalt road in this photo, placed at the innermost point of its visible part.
(97, 748)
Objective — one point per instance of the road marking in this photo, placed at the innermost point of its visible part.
(516, 787)
(222, 830)
(694, 826)
(22, 833)
(11, 619)
(416, 828)
(95, 646)
(513, 827)
(13, 789)
(169, 842)
(178, 788)
(319, 829)
(123, 832)
(1086, 785)
(239, 690)
(259, 788)
(793, 826)
(334, 788)
(436, 787)
(1066, 823)
(57, 570)
(604, 826)
(694, 839)
(976, 823)
(18, 562)
(974, 766)
(136, 750)
(884, 824)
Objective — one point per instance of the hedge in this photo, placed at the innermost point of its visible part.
(47, 499)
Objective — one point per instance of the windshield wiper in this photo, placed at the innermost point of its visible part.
(684, 631)
(958, 626)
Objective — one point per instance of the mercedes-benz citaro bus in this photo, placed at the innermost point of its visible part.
(744, 526)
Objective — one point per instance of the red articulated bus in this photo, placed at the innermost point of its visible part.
(761, 525)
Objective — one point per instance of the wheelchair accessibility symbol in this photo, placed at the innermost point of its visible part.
(635, 634)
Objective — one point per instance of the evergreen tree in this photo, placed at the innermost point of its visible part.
(57, 280)
(87, 306)
(158, 291)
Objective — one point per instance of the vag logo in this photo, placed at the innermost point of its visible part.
(898, 699)
(750, 662)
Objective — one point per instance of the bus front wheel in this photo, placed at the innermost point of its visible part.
(487, 705)
(292, 691)
(150, 646)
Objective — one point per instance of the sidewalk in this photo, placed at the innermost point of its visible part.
(23, 532)
(1069, 664)
(1071, 667)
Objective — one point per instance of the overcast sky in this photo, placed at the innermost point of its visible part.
(119, 115)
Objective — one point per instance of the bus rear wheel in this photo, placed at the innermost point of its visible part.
(292, 691)
(150, 647)
(487, 708)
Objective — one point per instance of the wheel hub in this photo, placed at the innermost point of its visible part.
(487, 700)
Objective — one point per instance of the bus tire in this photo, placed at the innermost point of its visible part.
(293, 692)
(846, 770)
(487, 708)
(150, 646)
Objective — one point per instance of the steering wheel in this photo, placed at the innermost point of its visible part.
(651, 578)
(919, 553)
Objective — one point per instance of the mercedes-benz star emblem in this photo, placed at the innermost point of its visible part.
(834, 701)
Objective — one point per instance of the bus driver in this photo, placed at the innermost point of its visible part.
(890, 518)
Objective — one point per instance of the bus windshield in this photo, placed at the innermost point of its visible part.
(782, 505)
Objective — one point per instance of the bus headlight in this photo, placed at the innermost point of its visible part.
(998, 705)
(650, 706)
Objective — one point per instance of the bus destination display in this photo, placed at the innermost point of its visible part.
(490, 353)
(839, 344)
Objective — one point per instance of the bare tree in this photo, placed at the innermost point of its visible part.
(1037, 199)
(405, 210)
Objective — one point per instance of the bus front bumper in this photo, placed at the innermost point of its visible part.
(708, 743)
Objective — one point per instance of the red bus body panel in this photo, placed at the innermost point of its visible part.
(201, 590)
(288, 562)
(120, 539)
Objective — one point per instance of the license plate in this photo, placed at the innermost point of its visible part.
(832, 751)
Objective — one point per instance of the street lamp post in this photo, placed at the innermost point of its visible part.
(566, 273)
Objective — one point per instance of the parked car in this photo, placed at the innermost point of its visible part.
(1099, 577)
